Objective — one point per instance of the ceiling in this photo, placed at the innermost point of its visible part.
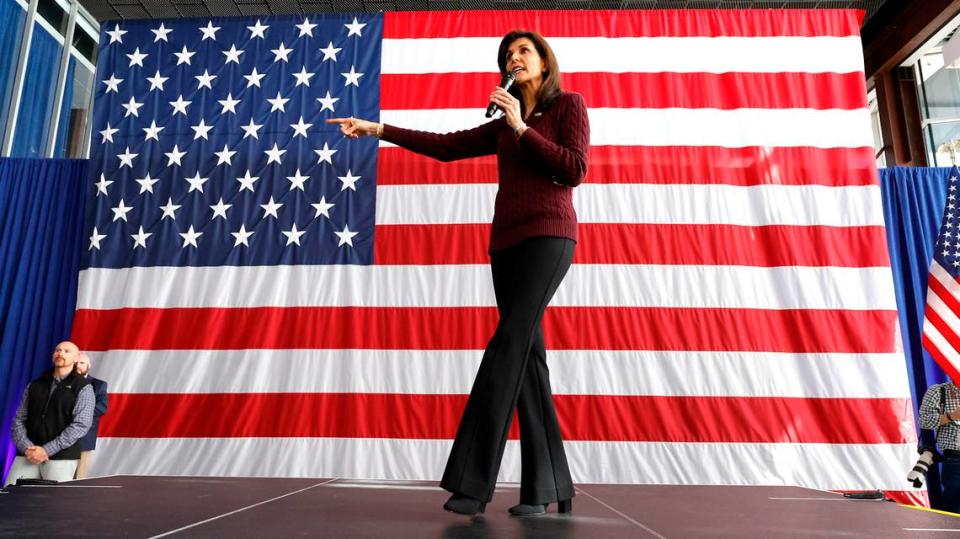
(104, 10)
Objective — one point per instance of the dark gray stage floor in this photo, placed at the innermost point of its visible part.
(255, 507)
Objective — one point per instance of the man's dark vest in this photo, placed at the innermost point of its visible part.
(89, 442)
(48, 417)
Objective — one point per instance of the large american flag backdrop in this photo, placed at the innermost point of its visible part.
(267, 298)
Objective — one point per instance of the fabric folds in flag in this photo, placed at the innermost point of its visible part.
(281, 301)
(941, 320)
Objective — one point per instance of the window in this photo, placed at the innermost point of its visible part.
(12, 17)
(75, 110)
(939, 95)
(35, 113)
(875, 127)
(44, 76)
(53, 13)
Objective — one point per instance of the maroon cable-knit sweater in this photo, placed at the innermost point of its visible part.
(537, 172)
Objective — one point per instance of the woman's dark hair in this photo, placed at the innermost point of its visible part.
(550, 88)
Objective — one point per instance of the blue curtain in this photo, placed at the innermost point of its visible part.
(39, 90)
(913, 202)
(41, 242)
(11, 33)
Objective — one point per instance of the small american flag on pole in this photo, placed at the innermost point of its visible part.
(941, 319)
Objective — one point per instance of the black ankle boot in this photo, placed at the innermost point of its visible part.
(532, 510)
(528, 510)
(464, 505)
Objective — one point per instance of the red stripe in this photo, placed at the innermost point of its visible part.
(935, 286)
(931, 317)
(661, 165)
(601, 243)
(468, 328)
(582, 417)
(641, 90)
(920, 498)
(947, 332)
(615, 23)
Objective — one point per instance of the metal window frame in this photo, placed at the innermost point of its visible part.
(86, 17)
(61, 82)
(88, 129)
(18, 78)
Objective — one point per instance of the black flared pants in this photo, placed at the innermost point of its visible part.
(514, 376)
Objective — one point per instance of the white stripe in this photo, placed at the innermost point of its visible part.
(758, 205)
(693, 286)
(936, 304)
(635, 54)
(446, 372)
(586, 285)
(944, 312)
(942, 345)
(877, 466)
(944, 278)
(682, 127)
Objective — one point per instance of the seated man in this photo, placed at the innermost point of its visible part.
(56, 410)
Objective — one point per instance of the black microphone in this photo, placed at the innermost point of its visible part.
(506, 82)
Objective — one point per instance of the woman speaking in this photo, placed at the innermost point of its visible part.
(542, 143)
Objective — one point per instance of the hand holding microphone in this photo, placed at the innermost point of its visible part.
(505, 82)
(501, 99)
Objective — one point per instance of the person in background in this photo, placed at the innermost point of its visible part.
(56, 410)
(89, 442)
(939, 412)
